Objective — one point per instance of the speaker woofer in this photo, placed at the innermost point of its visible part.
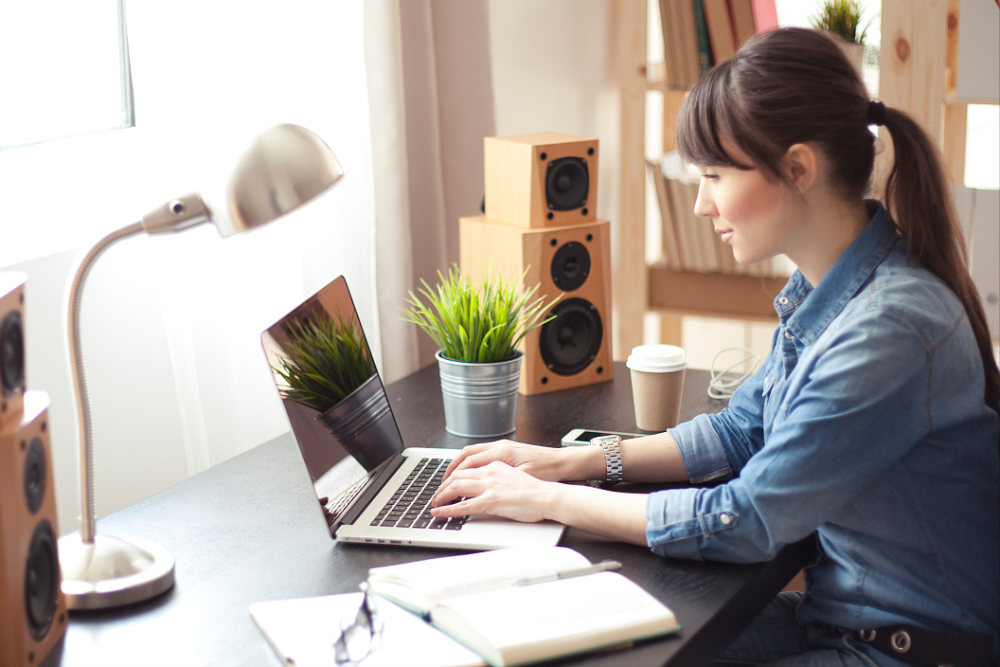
(570, 266)
(11, 354)
(571, 341)
(34, 476)
(41, 580)
(567, 183)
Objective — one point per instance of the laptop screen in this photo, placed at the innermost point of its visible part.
(331, 390)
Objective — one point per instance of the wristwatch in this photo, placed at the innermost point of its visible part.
(612, 456)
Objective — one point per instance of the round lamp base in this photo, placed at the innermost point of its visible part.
(112, 572)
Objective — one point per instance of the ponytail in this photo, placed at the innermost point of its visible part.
(919, 200)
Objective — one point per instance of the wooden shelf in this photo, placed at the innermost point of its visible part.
(712, 294)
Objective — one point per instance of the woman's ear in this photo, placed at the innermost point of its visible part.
(802, 166)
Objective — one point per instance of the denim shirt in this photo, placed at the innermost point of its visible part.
(867, 425)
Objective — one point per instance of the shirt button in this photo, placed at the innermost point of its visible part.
(783, 301)
(788, 335)
(725, 519)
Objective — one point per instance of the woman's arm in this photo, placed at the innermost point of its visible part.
(653, 458)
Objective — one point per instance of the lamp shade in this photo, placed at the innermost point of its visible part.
(285, 167)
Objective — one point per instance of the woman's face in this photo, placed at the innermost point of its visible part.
(749, 211)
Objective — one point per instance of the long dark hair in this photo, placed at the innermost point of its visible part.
(794, 85)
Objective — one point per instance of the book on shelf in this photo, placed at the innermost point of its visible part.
(765, 15)
(525, 604)
(741, 12)
(705, 60)
(696, 251)
(720, 29)
(670, 248)
(680, 43)
(698, 34)
(671, 45)
(682, 217)
(689, 41)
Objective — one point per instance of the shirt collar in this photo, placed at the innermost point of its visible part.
(812, 309)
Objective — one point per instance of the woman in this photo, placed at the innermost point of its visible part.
(874, 420)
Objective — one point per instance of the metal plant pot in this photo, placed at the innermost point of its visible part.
(363, 424)
(480, 400)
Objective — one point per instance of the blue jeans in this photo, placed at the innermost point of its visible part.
(776, 639)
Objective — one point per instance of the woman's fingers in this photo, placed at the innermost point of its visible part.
(459, 499)
(495, 489)
(480, 454)
(467, 452)
(448, 491)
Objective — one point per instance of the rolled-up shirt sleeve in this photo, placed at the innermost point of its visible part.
(845, 411)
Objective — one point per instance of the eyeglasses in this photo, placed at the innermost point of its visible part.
(357, 638)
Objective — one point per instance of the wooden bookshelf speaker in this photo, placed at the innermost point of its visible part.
(573, 262)
(547, 179)
(11, 349)
(32, 605)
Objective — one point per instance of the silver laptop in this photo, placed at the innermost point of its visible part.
(370, 487)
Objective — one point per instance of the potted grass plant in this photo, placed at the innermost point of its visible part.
(477, 327)
(328, 367)
(843, 18)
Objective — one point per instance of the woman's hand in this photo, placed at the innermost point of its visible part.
(545, 463)
(496, 488)
(502, 490)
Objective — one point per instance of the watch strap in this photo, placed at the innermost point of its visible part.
(611, 444)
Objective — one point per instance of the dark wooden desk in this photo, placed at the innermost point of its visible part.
(248, 530)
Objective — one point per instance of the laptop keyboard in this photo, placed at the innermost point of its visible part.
(410, 505)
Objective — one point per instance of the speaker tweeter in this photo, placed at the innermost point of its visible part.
(570, 266)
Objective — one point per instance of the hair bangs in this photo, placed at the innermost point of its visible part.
(703, 120)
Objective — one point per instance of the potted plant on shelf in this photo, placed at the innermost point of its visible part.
(477, 328)
(328, 367)
(843, 18)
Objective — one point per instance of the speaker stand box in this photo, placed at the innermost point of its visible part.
(32, 605)
(572, 262)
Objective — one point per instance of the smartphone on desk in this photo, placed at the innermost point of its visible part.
(583, 436)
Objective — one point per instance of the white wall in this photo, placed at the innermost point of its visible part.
(552, 71)
(171, 324)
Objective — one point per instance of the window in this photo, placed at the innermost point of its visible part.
(64, 70)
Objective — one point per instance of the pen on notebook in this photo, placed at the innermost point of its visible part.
(603, 566)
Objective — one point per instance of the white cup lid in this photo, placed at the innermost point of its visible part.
(657, 358)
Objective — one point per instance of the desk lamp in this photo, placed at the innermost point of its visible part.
(285, 167)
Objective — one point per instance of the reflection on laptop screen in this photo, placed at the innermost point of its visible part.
(330, 388)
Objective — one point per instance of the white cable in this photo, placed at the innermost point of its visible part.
(720, 386)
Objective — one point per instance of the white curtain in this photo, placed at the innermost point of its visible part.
(431, 100)
(207, 78)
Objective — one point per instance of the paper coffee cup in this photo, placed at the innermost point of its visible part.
(657, 385)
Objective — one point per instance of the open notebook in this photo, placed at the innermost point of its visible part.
(371, 488)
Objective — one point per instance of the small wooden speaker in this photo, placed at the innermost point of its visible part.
(11, 349)
(547, 179)
(573, 262)
(32, 606)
